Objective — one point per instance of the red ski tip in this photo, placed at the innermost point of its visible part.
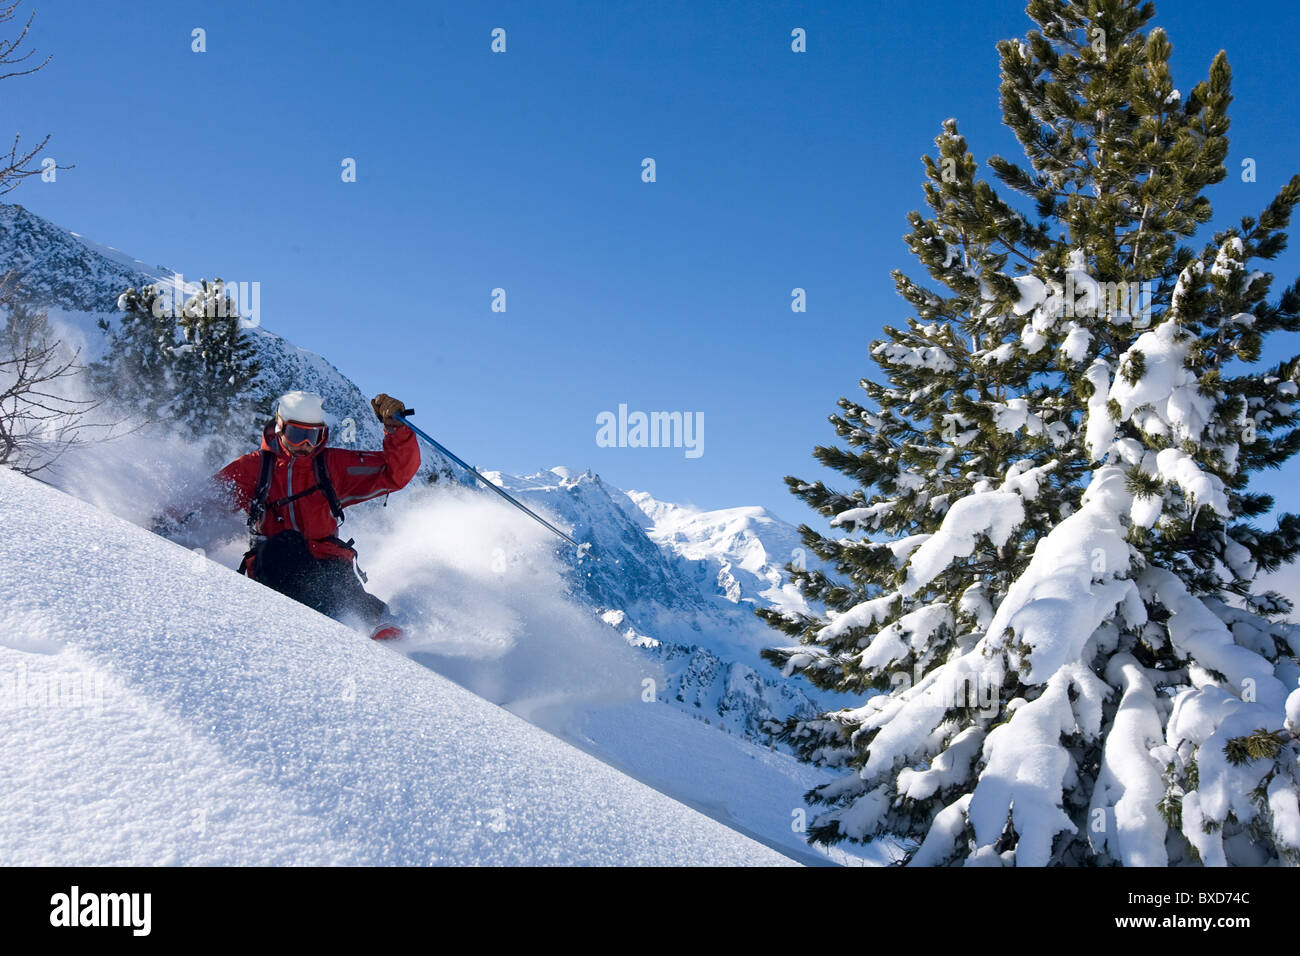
(386, 632)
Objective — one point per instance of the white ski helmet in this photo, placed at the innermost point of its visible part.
(305, 407)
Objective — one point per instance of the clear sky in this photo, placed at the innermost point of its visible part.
(522, 171)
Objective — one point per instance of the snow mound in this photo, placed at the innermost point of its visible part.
(160, 709)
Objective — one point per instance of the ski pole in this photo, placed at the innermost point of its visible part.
(411, 411)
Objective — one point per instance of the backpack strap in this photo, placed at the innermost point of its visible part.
(327, 487)
(257, 506)
(347, 546)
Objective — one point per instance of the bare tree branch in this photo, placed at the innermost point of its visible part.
(39, 421)
(17, 165)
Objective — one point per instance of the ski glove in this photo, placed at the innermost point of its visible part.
(387, 409)
(170, 522)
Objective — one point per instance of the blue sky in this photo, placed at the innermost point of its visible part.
(522, 171)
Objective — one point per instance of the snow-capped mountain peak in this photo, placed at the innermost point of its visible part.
(747, 547)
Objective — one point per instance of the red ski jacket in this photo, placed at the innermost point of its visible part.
(356, 476)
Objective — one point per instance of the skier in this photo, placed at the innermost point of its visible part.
(295, 489)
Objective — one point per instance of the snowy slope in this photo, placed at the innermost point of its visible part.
(161, 709)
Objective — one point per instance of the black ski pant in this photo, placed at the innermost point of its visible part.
(330, 585)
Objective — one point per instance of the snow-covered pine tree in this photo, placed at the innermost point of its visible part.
(196, 366)
(135, 371)
(1048, 568)
(219, 390)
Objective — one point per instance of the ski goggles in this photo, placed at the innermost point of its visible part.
(298, 435)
